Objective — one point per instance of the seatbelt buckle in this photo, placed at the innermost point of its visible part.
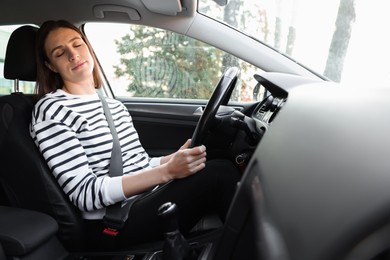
(111, 232)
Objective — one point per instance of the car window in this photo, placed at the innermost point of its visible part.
(6, 85)
(141, 61)
(344, 40)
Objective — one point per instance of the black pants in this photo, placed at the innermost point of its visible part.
(211, 189)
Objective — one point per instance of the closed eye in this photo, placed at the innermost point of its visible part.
(59, 54)
(77, 43)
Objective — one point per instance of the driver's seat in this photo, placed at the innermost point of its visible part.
(25, 178)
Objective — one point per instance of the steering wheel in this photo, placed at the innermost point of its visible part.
(219, 97)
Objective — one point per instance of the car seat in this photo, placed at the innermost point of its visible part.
(25, 179)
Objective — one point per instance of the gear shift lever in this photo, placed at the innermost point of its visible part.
(175, 245)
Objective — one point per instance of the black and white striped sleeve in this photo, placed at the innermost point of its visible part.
(67, 158)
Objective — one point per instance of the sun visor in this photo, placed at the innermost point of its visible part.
(100, 11)
(167, 7)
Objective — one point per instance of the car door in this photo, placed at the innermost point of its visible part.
(163, 126)
(164, 79)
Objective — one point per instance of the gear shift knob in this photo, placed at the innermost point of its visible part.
(169, 215)
(175, 246)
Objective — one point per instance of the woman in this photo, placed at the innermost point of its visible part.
(70, 129)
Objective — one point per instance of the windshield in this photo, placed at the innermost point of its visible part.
(344, 40)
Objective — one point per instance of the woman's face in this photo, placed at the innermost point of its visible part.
(69, 56)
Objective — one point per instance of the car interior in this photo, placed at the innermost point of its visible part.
(314, 164)
(39, 191)
(38, 221)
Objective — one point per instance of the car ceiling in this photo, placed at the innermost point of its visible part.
(38, 11)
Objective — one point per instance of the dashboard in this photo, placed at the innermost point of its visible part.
(237, 135)
(317, 183)
(268, 109)
(275, 98)
(277, 87)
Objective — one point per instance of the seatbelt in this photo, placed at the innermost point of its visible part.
(116, 214)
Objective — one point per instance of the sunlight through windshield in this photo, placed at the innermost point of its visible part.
(344, 40)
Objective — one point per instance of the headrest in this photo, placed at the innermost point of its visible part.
(20, 55)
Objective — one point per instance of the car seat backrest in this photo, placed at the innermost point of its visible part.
(20, 55)
(25, 177)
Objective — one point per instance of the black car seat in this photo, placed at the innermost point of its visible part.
(25, 179)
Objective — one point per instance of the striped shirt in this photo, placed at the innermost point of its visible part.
(73, 136)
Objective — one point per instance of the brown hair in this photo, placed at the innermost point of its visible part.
(47, 80)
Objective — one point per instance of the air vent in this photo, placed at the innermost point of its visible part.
(267, 104)
(276, 111)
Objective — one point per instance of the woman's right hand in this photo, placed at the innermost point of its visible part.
(183, 163)
(186, 161)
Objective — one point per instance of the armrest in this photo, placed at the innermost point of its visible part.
(21, 230)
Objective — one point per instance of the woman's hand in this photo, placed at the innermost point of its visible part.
(183, 163)
(186, 161)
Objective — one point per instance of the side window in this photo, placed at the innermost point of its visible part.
(7, 86)
(141, 61)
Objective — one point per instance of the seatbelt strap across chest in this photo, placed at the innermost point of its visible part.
(116, 215)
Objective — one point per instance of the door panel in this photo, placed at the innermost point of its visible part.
(163, 127)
